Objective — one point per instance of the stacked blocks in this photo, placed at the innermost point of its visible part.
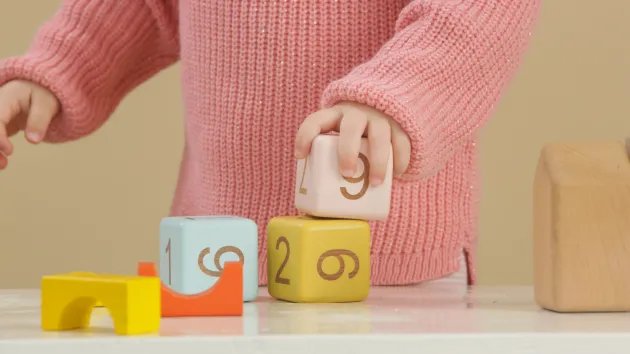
(209, 264)
(208, 267)
(193, 251)
(324, 256)
(582, 227)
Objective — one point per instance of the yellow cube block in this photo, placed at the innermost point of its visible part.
(318, 260)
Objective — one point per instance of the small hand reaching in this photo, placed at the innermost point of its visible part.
(353, 121)
(24, 106)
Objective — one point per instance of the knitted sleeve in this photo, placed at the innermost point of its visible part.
(92, 53)
(442, 72)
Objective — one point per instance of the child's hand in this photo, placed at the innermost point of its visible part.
(24, 106)
(353, 121)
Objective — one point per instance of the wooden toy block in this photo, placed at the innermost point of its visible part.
(193, 250)
(321, 190)
(224, 298)
(133, 302)
(318, 260)
(582, 227)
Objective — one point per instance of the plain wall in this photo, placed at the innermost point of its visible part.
(95, 204)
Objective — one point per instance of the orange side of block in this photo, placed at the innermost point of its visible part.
(225, 298)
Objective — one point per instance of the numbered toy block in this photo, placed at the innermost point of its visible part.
(321, 190)
(318, 260)
(582, 228)
(67, 301)
(194, 249)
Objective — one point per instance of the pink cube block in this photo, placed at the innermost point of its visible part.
(321, 190)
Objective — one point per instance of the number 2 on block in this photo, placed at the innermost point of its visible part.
(279, 279)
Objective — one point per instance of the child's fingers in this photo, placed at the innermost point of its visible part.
(401, 147)
(351, 130)
(3, 162)
(15, 125)
(6, 148)
(43, 108)
(322, 121)
(379, 137)
(6, 114)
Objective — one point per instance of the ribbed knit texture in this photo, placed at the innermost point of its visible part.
(252, 70)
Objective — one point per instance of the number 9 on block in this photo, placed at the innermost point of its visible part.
(193, 251)
(321, 190)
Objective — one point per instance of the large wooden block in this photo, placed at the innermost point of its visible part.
(195, 249)
(582, 227)
(318, 260)
(321, 190)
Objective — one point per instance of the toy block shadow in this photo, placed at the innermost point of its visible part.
(98, 303)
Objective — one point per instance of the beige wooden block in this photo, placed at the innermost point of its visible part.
(582, 227)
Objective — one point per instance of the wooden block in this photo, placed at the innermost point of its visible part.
(193, 250)
(582, 227)
(321, 190)
(68, 300)
(318, 260)
(225, 298)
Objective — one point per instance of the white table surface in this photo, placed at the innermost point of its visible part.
(431, 318)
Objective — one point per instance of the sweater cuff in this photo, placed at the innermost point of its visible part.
(91, 54)
(388, 99)
(47, 71)
(441, 74)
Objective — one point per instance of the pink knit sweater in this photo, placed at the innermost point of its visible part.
(252, 70)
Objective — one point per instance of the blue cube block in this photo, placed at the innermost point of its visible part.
(193, 251)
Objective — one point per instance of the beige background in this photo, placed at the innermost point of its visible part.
(107, 198)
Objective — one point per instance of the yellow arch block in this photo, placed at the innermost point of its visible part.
(133, 301)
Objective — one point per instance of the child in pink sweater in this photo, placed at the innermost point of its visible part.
(262, 78)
